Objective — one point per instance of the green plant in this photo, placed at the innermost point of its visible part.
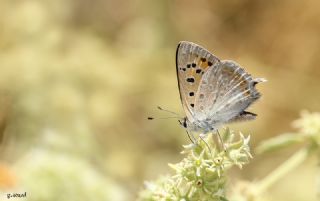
(201, 175)
(307, 135)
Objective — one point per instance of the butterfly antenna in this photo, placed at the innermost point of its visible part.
(176, 115)
(152, 118)
(160, 108)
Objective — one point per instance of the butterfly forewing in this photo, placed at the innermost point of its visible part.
(192, 62)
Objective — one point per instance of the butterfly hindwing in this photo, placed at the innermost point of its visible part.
(192, 62)
(243, 116)
(226, 90)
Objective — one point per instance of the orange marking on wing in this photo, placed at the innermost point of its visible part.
(204, 65)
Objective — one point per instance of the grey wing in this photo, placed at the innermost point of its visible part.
(226, 90)
(192, 61)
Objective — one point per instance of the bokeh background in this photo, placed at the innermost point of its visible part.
(78, 79)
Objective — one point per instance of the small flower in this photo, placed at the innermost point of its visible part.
(201, 174)
(309, 123)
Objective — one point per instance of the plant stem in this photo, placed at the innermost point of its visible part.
(282, 170)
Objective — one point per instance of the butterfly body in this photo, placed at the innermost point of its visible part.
(213, 92)
(199, 126)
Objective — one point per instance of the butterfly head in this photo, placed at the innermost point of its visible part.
(183, 122)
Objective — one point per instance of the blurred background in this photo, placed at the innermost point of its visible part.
(78, 79)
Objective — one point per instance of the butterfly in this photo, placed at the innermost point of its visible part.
(213, 92)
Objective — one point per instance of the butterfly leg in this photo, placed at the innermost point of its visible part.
(221, 141)
(191, 137)
(201, 136)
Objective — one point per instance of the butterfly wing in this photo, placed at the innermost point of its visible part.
(192, 62)
(243, 116)
(225, 91)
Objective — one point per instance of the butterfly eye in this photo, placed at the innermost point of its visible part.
(185, 123)
(191, 94)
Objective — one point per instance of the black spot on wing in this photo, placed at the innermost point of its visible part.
(190, 79)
